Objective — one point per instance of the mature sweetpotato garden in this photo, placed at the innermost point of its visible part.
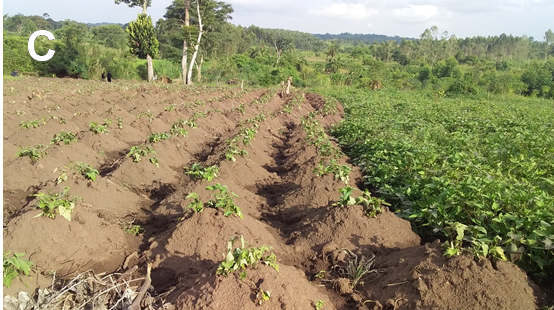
(211, 197)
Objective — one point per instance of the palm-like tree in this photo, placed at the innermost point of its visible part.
(333, 50)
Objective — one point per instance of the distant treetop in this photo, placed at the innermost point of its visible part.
(366, 38)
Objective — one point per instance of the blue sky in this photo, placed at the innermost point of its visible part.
(407, 18)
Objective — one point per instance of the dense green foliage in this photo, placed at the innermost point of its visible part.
(110, 35)
(440, 64)
(142, 39)
(487, 164)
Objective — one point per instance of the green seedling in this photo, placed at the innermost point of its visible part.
(240, 109)
(198, 114)
(119, 122)
(287, 108)
(179, 132)
(33, 152)
(199, 103)
(247, 135)
(319, 305)
(339, 171)
(133, 229)
(262, 296)
(372, 205)
(180, 123)
(139, 151)
(158, 136)
(224, 200)
(326, 149)
(346, 198)
(14, 266)
(32, 124)
(154, 161)
(213, 111)
(196, 205)
(170, 108)
(191, 123)
(197, 172)
(87, 171)
(61, 178)
(148, 114)
(240, 258)
(455, 232)
(61, 203)
(65, 137)
(232, 151)
(96, 128)
(320, 274)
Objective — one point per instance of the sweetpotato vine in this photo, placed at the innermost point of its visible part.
(479, 174)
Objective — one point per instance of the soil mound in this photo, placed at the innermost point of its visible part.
(288, 289)
(69, 247)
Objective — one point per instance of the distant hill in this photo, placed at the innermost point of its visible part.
(366, 38)
(103, 24)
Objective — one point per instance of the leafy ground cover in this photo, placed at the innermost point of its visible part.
(478, 172)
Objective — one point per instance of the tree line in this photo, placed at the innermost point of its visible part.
(195, 39)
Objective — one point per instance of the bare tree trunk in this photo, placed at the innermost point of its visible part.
(278, 52)
(287, 90)
(189, 73)
(148, 57)
(199, 69)
(150, 68)
(185, 47)
(184, 62)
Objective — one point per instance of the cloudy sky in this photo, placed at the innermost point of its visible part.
(406, 18)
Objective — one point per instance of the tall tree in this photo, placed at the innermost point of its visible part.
(110, 35)
(200, 32)
(14, 23)
(142, 40)
(280, 41)
(426, 40)
(144, 4)
(549, 39)
(333, 50)
(134, 3)
(213, 15)
(185, 48)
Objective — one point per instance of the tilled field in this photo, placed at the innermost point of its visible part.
(142, 138)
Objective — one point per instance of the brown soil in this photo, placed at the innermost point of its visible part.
(285, 206)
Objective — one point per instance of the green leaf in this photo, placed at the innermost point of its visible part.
(450, 252)
(498, 252)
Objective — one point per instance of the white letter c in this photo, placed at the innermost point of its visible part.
(31, 45)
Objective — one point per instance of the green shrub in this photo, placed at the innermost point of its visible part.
(462, 87)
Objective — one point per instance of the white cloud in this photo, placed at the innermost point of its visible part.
(470, 7)
(416, 13)
(349, 11)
